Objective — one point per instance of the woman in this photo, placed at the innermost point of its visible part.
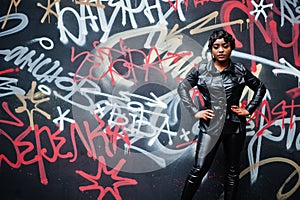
(221, 119)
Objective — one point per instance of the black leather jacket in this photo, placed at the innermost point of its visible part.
(220, 90)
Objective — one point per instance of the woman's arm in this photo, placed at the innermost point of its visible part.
(259, 91)
(184, 88)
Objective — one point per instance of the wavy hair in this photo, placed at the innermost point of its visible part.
(219, 34)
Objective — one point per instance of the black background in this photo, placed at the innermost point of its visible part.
(23, 182)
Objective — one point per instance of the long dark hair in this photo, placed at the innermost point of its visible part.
(219, 34)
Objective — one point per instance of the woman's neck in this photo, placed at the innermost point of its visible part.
(221, 65)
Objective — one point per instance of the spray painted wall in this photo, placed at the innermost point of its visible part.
(89, 108)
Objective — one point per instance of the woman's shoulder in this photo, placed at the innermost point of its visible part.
(239, 67)
(204, 65)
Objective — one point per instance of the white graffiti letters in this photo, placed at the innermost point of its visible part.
(289, 6)
(11, 90)
(21, 26)
(123, 7)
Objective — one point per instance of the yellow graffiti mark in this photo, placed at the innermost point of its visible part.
(201, 23)
(174, 33)
(16, 4)
(87, 2)
(280, 195)
(35, 99)
(200, 29)
(248, 21)
(48, 10)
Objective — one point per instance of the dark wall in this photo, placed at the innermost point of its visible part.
(89, 107)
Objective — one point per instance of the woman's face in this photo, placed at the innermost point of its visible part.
(221, 50)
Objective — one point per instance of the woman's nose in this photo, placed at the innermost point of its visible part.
(221, 49)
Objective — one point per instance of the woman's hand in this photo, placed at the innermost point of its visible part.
(240, 111)
(205, 114)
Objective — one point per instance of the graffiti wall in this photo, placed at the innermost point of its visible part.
(89, 106)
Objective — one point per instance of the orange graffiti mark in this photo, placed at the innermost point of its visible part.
(16, 4)
(88, 2)
(35, 99)
(48, 10)
(280, 194)
(201, 25)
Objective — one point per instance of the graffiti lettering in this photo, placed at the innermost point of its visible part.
(26, 153)
(271, 118)
(16, 4)
(123, 7)
(92, 62)
(24, 58)
(24, 149)
(269, 32)
(287, 8)
(7, 89)
(24, 22)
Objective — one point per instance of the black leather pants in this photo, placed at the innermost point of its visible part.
(206, 150)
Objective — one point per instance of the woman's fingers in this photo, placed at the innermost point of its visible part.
(209, 113)
(205, 114)
(240, 111)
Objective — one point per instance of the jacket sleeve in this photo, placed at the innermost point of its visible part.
(185, 86)
(259, 91)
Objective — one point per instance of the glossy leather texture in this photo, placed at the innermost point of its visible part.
(210, 82)
(219, 91)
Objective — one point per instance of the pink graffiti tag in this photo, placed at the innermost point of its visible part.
(96, 179)
(268, 30)
(11, 70)
(279, 111)
(27, 152)
(123, 58)
(102, 131)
